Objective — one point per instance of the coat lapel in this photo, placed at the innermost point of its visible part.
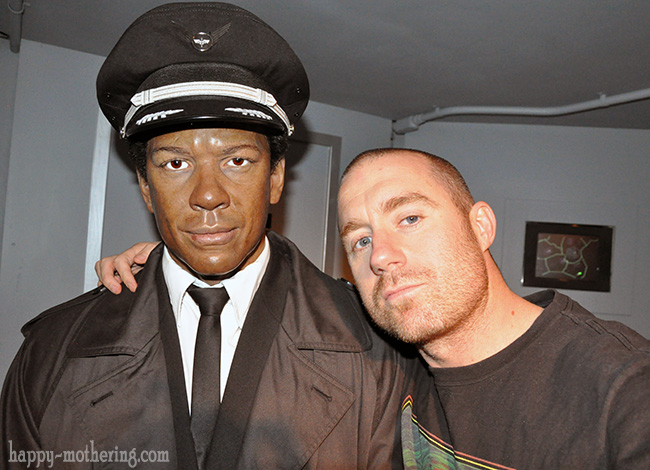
(258, 333)
(279, 404)
(186, 456)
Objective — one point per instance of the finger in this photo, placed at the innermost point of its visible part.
(112, 282)
(107, 276)
(98, 270)
(144, 250)
(122, 265)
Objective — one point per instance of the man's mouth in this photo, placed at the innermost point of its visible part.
(391, 294)
(212, 235)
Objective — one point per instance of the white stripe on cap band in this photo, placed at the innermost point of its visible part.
(179, 90)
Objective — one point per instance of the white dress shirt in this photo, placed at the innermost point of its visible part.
(241, 288)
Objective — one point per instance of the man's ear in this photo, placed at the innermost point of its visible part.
(484, 224)
(277, 181)
(145, 191)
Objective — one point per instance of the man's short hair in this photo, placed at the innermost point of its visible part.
(444, 172)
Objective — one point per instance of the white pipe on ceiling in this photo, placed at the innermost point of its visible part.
(16, 8)
(412, 123)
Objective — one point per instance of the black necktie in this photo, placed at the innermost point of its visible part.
(207, 358)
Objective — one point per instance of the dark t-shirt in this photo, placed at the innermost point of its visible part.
(571, 393)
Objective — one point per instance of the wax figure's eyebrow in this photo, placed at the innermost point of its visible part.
(170, 149)
(181, 151)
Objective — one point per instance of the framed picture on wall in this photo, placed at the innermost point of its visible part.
(568, 256)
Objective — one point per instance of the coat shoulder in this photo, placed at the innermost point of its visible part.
(57, 314)
(44, 354)
(49, 335)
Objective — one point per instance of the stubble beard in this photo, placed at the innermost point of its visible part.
(448, 299)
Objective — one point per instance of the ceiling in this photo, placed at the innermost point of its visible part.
(395, 58)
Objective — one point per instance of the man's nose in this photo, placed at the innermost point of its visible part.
(208, 192)
(387, 254)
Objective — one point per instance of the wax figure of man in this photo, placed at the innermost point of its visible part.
(526, 383)
(288, 374)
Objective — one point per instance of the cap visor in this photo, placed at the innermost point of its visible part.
(203, 111)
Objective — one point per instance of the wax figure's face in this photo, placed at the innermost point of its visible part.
(415, 258)
(210, 190)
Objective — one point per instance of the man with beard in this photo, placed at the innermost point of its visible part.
(526, 383)
(523, 383)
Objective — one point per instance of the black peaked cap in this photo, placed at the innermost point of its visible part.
(200, 65)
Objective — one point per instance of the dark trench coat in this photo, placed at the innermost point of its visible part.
(312, 384)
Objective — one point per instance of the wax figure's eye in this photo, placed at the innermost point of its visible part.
(176, 164)
(238, 162)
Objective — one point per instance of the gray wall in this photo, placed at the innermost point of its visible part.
(46, 211)
(566, 175)
(8, 77)
(48, 182)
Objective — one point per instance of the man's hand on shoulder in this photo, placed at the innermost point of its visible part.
(112, 271)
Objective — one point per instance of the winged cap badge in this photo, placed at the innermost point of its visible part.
(203, 41)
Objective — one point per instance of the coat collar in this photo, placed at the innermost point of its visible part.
(125, 323)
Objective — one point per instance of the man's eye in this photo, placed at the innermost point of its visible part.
(176, 164)
(238, 162)
(362, 243)
(411, 219)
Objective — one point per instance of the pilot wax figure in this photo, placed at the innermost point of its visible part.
(284, 370)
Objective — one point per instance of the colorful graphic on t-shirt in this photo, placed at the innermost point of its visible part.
(422, 450)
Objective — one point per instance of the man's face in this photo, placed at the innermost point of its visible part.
(209, 190)
(415, 258)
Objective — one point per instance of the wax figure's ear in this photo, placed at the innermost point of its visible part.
(277, 181)
(145, 191)
(484, 224)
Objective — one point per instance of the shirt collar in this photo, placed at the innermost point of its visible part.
(241, 287)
